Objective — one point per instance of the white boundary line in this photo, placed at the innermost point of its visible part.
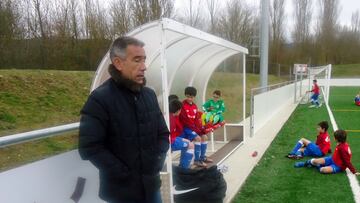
(354, 184)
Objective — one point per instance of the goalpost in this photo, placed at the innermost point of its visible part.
(304, 77)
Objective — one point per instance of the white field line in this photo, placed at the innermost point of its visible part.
(354, 184)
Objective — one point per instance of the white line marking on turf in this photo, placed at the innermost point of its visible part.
(354, 184)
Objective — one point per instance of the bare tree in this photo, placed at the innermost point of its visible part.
(9, 20)
(303, 16)
(96, 24)
(212, 6)
(355, 22)
(191, 14)
(121, 20)
(236, 23)
(277, 14)
(167, 8)
(327, 30)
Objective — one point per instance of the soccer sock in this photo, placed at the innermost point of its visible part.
(186, 157)
(317, 103)
(298, 145)
(312, 163)
(203, 150)
(197, 151)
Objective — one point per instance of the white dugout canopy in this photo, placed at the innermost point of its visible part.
(177, 56)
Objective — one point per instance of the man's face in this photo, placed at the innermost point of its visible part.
(133, 66)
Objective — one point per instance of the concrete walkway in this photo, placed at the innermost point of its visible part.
(241, 163)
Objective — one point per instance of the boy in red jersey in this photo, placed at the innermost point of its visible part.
(315, 95)
(190, 121)
(305, 147)
(178, 135)
(336, 163)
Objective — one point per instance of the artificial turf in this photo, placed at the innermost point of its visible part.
(275, 179)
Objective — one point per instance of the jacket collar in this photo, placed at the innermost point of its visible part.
(124, 82)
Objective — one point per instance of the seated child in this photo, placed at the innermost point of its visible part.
(172, 97)
(213, 111)
(357, 99)
(305, 147)
(190, 121)
(340, 160)
(177, 135)
(315, 95)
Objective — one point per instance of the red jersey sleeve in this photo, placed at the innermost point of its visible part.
(345, 155)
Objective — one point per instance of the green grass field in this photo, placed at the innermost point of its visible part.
(275, 179)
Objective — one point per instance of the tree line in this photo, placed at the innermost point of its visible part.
(75, 34)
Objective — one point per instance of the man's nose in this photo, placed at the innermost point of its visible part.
(143, 66)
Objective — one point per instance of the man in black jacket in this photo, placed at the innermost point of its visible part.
(122, 130)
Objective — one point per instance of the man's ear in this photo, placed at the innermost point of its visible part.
(118, 63)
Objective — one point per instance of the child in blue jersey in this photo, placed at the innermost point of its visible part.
(179, 137)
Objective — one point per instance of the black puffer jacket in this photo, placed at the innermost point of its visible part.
(123, 133)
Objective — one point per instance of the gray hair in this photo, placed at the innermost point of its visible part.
(118, 47)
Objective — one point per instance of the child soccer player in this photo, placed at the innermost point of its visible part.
(178, 136)
(336, 163)
(357, 99)
(305, 147)
(190, 121)
(213, 110)
(315, 95)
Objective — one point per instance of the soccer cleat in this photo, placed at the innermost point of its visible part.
(200, 164)
(207, 160)
(294, 156)
(222, 123)
(299, 164)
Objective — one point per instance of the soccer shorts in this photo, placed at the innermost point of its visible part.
(314, 97)
(179, 144)
(312, 150)
(330, 162)
(188, 134)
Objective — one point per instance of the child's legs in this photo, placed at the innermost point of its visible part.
(186, 154)
(190, 135)
(315, 99)
(318, 162)
(312, 150)
(301, 143)
(329, 166)
(216, 119)
(204, 139)
(207, 117)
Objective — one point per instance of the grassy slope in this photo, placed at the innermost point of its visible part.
(346, 71)
(33, 99)
(275, 179)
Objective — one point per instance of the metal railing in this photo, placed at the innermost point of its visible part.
(37, 134)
